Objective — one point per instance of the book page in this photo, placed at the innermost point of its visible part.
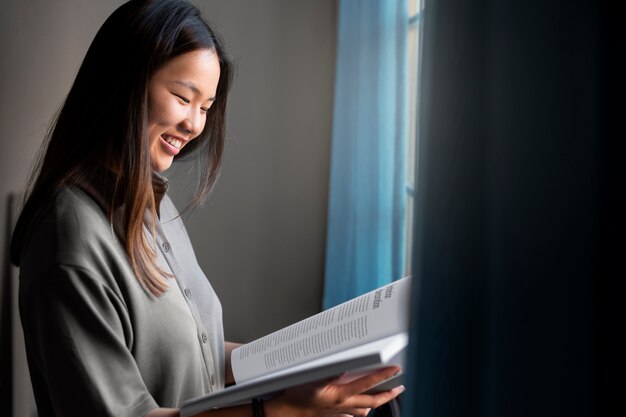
(385, 348)
(374, 315)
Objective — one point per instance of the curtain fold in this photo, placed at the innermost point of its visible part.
(367, 201)
(518, 300)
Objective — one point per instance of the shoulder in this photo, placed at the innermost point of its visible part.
(77, 220)
(78, 217)
(73, 231)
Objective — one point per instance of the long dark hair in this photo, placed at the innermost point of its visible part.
(102, 124)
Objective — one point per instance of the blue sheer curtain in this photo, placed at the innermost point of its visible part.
(367, 198)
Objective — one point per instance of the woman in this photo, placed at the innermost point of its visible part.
(118, 318)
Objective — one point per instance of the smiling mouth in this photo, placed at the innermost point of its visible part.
(177, 143)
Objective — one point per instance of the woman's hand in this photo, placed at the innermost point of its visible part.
(333, 398)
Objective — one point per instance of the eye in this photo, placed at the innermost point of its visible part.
(183, 99)
(204, 110)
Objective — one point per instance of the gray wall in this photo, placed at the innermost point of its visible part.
(260, 237)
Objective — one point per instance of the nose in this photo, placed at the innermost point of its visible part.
(193, 123)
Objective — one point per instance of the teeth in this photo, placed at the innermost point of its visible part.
(172, 141)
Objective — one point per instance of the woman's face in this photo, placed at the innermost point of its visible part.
(179, 95)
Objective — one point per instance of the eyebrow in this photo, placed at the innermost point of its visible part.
(192, 87)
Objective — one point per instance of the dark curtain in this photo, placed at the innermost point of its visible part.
(519, 258)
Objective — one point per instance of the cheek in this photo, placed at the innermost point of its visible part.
(162, 113)
(203, 124)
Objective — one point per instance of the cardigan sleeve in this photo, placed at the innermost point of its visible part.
(79, 343)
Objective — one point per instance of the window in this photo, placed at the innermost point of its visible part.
(416, 12)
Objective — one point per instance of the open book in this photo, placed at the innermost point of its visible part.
(360, 335)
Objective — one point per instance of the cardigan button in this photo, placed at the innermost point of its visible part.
(166, 247)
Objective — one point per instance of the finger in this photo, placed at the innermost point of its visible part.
(325, 382)
(356, 412)
(373, 401)
(360, 412)
(329, 380)
(366, 382)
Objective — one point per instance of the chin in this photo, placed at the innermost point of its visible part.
(161, 166)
